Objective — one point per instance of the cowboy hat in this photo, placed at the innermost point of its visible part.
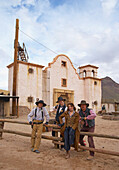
(42, 102)
(60, 99)
(83, 102)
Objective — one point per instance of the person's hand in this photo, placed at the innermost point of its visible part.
(80, 118)
(60, 125)
(85, 118)
(46, 123)
(31, 123)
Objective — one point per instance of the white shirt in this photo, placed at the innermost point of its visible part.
(63, 119)
(38, 114)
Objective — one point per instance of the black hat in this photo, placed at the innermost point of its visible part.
(60, 99)
(83, 102)
(41, 101)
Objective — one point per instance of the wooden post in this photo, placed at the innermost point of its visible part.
(17, 107)
(15, 68)
(56, 145)
(1, 127)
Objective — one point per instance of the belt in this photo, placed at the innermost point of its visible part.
(37, 122)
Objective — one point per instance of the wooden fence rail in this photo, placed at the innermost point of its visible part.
(29, 135)
(57, 129)
(94, 134)
(92, 149)
(57, 140)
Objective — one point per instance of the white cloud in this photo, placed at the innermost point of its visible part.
(108, 6)
(78, 30)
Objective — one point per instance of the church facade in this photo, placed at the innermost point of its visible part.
(60, 78)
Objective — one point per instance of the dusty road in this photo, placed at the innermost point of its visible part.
(15, 151)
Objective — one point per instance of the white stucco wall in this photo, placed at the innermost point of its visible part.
(84, 89)
(40, 84)
(110, 107)
(57, 72)
(92, 93)
(88, 72)
(29, 84)
(10, 79)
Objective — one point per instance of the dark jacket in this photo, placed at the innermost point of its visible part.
(91, 123)
(59, 113)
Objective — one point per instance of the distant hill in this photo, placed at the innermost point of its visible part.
(110, 90)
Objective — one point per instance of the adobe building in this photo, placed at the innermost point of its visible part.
(60, 78)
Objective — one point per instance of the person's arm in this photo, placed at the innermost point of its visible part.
(76, 122)
(30, 115)
(92, 115)
(46, 115)
(60, 118)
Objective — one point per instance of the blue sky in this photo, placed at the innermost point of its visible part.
(85, 30)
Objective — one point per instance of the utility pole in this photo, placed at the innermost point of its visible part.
(15, 68)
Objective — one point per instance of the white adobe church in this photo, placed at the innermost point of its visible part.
(60, 78)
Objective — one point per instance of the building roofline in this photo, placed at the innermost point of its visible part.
(55, 59)
(95, 78)
(22, 62)
(88, 65)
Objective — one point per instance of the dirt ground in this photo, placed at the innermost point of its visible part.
(15, 151)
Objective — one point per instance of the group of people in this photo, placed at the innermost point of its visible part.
(69, 120)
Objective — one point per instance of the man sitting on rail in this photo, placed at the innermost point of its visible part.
(38, 114)
(87, 116)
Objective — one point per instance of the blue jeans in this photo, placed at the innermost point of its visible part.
(69, 136)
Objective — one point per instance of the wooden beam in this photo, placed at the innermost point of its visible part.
(100, 151)
(58, 143)
(94, 134)
(99, 135)
(92, 149)
(26, 123)
(58, 130)
(29, 135)
(17, 107)
(14, 121)
(15, 68)
(1, 128)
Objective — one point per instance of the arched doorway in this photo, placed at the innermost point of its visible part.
(68, 95)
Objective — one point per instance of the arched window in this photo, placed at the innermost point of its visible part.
(93, 73)
(84, 73)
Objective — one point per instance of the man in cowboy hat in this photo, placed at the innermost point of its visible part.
(87, 117)
(38, 115)
(60, 109)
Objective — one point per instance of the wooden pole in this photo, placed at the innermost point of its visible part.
(56, 135)
(17, 107)
(15, 68)
(1, 128)
(58, 130)
(100, 151)
(99, 135)
(92, 149)
(94, 134)
(29, 135)
(14, 121)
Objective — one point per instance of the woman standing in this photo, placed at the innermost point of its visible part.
(70, 128)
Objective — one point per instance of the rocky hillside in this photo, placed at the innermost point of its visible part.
(110, 89)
